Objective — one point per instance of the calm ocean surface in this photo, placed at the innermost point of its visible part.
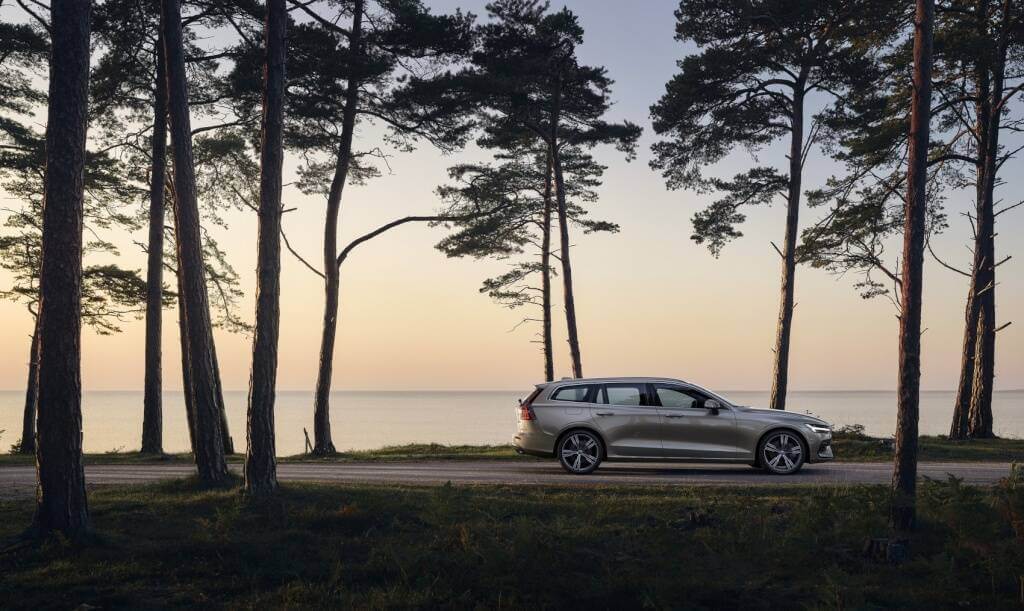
(367, 420)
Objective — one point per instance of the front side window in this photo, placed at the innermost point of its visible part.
(576, 394)
(623, 394)
(673, 396)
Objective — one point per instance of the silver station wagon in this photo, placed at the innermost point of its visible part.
(583, 422)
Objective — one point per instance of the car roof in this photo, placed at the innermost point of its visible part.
(637, 379)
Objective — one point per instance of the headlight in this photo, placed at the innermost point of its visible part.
(821, 429)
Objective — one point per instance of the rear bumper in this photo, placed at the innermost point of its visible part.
(534, 444)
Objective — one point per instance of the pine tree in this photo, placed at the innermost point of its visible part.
(759, 67)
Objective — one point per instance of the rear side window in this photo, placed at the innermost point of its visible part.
(623, 394)
(576, 394)
(674, 396)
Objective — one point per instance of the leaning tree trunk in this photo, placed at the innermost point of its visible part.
(960, 427)
(545, 270)
(152, 401)
(962, 403)
(563, 255)
(980, 413)
(27, 445)
(260, 463)
(980, 410)
(904, 478)
(186, 369)
(563, 227)
(780, 377)
(209, 446)
(60, 500)
(323, 443)
(980, 419)
(222, 411)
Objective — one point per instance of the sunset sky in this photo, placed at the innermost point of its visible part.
(650, 301)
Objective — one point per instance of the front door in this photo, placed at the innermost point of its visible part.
(689, 430)
(628, 420)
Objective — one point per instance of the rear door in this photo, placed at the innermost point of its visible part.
(628, 420)
(689, 430)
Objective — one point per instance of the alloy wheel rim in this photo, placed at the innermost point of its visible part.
(782, 452)
(580, 451)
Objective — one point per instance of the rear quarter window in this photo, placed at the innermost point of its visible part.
(574, 394)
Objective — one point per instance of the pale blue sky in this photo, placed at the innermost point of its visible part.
(650, 301)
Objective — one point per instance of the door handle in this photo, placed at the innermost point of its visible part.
(674, 416)
(604, 413)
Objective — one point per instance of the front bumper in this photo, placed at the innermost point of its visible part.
(821, 450)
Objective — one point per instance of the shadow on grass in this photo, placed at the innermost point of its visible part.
(178, 544)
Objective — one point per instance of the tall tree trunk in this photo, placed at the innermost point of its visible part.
(962, 403)
(323, 443)
(28, 423)
(60, 500)
(980, 413)
(152, 401)
(209, 445)
(563, 227)
(186, 369)
(563, 255)
(222, 411)
(980, 419)
(904, 478)
(260, 462)
(960, 427)
(545, 270)
(780, 378)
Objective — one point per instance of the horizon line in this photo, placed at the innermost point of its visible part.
(512, 390)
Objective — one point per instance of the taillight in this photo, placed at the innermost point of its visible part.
(526, 406)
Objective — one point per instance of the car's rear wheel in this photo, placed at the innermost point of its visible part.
(580, 452)
(781, 452)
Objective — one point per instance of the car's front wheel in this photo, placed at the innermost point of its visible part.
(781, 452)
(580, 452)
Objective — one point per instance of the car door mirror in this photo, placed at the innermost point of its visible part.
(712, 405)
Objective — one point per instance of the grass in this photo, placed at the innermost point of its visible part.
(412, 452)
(850, 445)
(315, 546)
(417, 451)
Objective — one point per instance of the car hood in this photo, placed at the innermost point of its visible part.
(781, 415)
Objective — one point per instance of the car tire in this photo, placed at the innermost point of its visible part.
(782, 452)
(580, 452)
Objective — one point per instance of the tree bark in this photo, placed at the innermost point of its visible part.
(780, 377)
(323, 443)
(60, 500)
(152, 402)
(904, 478)
(222, 411)
(209, 445)
(186, 369)
(563, 227)
(980, 412)
(960, 427)
(980, 419)
(27, 445)
(545, 265)
(260, 462)
(958, 430)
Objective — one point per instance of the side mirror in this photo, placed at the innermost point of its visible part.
(712, 405)
(520, 401)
